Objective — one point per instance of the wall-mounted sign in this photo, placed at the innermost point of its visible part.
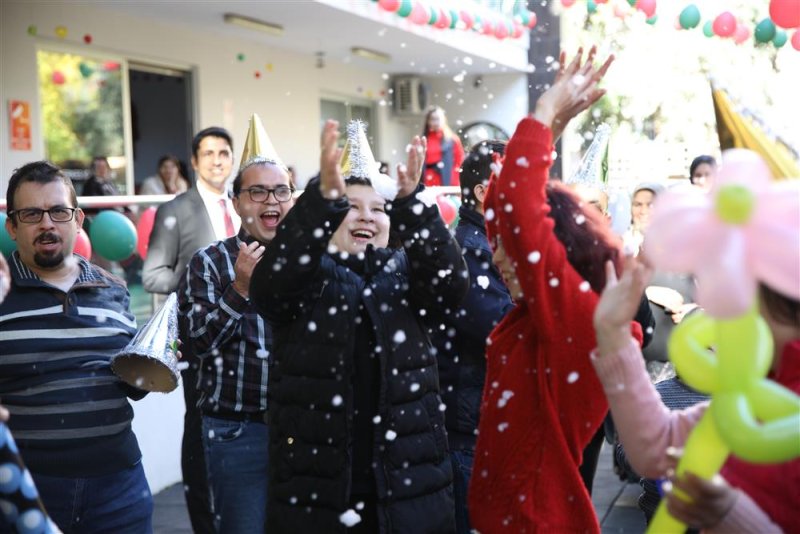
(19, 115)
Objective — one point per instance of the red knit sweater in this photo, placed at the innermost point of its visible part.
(542, 401)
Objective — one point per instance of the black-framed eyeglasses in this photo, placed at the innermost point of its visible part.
(34, 215)
(282, 193)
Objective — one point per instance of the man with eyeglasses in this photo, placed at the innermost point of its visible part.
(234, 343)
(60, 324)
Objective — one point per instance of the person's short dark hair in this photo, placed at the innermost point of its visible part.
(700, 160)
(213, 131)
(40, 172)
(476, 168)
(383, 167)
(169, 157)
(237, 182)
(782, 308)
(95, 159)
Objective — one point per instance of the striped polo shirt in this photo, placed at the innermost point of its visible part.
(70, 414)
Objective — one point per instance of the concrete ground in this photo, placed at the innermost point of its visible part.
(614, 501)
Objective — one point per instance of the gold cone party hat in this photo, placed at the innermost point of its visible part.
(258, 147)
(150, 360)
(357, 161)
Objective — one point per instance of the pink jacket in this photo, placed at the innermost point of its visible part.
(647, 427)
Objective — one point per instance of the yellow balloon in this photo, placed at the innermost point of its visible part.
(61, 32)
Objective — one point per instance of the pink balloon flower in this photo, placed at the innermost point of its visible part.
(746, 230)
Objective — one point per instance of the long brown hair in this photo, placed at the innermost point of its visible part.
(585, 234)
(446, 131)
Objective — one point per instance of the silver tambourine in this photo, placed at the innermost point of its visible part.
(150, 360)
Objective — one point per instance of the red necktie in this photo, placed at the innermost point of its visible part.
(228, 221)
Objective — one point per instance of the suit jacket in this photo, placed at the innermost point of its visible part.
(182, 226)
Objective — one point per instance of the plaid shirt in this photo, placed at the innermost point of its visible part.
(227, 334)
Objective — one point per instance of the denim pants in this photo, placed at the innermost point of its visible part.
(462, 471)
(119, 503)
(236, 458)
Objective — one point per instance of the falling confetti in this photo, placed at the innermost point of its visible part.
(534, 256)
(350, 518)
(87, 39)
(572, 377)
(240, 56)
(483, 281)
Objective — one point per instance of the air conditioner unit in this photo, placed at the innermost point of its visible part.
(410, 96)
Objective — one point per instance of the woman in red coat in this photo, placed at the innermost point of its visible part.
(445, 152)
(542, 401)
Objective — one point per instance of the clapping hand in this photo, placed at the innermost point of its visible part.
(331, 181)
(574, 90)
(408, 175)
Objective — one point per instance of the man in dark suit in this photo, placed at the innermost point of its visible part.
(191, 221)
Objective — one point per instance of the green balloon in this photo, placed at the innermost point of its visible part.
(591, 6)
(240, 56)
(113, 235)
(85, 69)
(453, 19)
(7, 245)
(434, 17)
(689, 17)
(32, 30)
(708, 29)
(632, 2)
(652, 20)
(405, 8)
(780, 38)
(765, 31)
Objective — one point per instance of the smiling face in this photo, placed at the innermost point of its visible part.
(261, 219)
(365, 224)
(45, 244)
(213, 162)
(640, 208)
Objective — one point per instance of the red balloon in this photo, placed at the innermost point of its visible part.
(389, 5)
(742, 34)
(567, 3)
(533, 20)
(785, 13)
(467, 19)
(598, 2)
(143, 230)
(796, 40)
(58, 78)
(446, 209)
(517, 33)
(419, 14)
(725, 24)
(648, 7)
(83, 245)
(501, 30)
(443, 20)
(488, 27)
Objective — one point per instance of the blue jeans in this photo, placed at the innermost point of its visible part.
(236, 457)
(119, 503)
(462, 471)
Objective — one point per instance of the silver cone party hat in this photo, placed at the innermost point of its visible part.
(150, 360)
(357, 161)
(593, 170)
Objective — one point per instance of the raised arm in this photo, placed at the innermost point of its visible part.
(518, 200)
(289, 273)
(438, 274)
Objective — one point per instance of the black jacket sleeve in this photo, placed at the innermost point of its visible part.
(289, 272)
(437, 272)
(644, 316)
